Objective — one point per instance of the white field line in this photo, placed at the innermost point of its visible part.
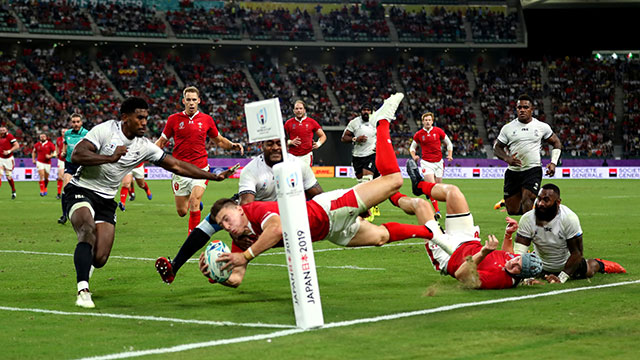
(149, 318)
(281, 333)
(347, 267)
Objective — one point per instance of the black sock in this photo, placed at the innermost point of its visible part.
(601, 266)
(194, 242)
(83, 258)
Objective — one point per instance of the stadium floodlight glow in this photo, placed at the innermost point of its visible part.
(630, 56)
(614, 56)
(598, 56)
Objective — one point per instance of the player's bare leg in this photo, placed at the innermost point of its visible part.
(105, 234)
(65, 180)
(85, 228)
(124, 191)
(44, 179)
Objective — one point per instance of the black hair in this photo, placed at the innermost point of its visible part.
(131, 104)
(526, 97)
(552, 187)
(218, 205)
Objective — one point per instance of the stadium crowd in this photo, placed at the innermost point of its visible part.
(355, 23)
(41, 88)
(190, 20)
(279, 24)
(40, 16)
(434, 25)
(582, 94)
(127, 20)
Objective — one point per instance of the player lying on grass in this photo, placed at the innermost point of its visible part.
(556, 235)
(257, 182)
(333, 216)
(459, 253)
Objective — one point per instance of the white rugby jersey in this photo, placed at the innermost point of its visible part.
(257, 178)
(358, 128)
(550, 241)
(105, 179)
(525, 140)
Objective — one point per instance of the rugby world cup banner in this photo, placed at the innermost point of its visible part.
(158, 173)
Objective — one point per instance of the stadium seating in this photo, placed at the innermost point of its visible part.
(279, 24)
(443, 90)
(631, 120)
(127, 20)
(271, 82)
(498, 88)
(75, 85)
(491, 26)
(217, 23)
(52, 18)
(582, 93)
(26, 108)
(7, 22)
(224, 89)
(432, 24)
(356, 23)
(309, 88)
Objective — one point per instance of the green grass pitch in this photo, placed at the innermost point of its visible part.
(358, 286)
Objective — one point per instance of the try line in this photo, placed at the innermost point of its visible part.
(281, 333)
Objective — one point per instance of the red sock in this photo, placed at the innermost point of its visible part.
(59, 182)
(435, 204)
(194, 220)
(386, 161)
(426, 187)
(123, 194)
(13, 185)
(146, 188)
(41, 186)
(399, 231)
(395, 198)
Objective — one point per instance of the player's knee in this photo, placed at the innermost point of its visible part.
(395, 182)
(87, 233)
(182, 212)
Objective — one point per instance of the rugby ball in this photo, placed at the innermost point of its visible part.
(213, 251)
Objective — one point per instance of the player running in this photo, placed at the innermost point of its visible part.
(190, 129)
(109, 152)
(59, 147)
(71, 138)
(127, 188)
(430, 139)
(42, 153)
(8, 145)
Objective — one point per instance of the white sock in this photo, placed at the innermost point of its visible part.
(91, 272)
(439, 238)
(83, 285)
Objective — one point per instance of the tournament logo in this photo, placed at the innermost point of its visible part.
(292, 180)
(262, 116)
(566, 173)
(613, 172)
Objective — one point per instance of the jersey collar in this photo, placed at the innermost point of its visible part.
(190, 117)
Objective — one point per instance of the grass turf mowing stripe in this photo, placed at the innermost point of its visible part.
(149, 318)
(282, 333)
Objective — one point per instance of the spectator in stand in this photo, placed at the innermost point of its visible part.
(300, 130)
(214, 21)
(115, 19)
(279, 24)
(39, 16)
(366, 23)
(433, 25)
(493, 26)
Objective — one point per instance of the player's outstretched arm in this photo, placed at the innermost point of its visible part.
(226, 144)
(555, 154)
(507, 242)
(271, 235)
(182, 168)
(467, 273)
(85, 154)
